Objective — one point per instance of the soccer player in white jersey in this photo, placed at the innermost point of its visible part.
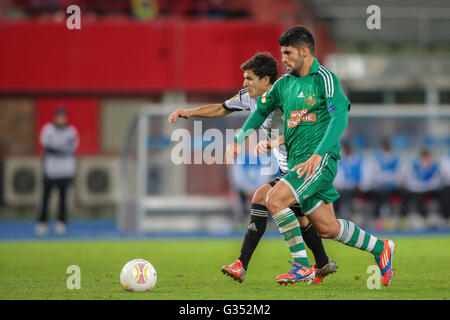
(260, 73)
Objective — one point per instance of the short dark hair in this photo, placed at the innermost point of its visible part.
(297, 36)
(425, 152)
(262, 64)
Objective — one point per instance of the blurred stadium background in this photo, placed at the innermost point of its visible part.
(133, 62)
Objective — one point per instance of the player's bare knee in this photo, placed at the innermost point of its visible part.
(273, 203)
(259, 196)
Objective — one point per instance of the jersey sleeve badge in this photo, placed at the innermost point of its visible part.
(263, 97)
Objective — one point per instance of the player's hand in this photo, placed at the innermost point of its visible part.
(263, 147)
(309, 167)
(231, 152)
(178, 113)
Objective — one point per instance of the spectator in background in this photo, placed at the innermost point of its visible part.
(384, 180)
(60, 141)
(215, 9)
(144, 9)
(9, 9)
(38, 7)
(422, 181)
(347, 182)
(445, 196)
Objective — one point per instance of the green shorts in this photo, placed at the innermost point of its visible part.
(311, 193)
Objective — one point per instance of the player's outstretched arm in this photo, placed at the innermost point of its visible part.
(254, 121)
(267, 103)
(208, 111)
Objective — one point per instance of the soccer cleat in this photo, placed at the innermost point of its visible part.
(329, 268)
(297, 273)
(384, 262)
(235, 270)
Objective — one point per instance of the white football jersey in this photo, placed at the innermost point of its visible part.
(273, 125)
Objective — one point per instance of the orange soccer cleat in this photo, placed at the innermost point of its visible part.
(384, 262)
(235, 270)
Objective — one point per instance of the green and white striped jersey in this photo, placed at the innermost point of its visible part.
(308, 104)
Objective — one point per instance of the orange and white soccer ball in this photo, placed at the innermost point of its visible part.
(138, 275)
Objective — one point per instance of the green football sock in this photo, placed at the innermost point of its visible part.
(351, 235)
(290, 228)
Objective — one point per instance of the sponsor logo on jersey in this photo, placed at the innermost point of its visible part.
(331, 108)
(310, 101)
(299, 116)
(291, 123)
(301, 95)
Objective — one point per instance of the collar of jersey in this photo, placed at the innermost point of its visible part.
(314, 67)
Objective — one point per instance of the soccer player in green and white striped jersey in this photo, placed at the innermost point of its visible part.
(315, 116)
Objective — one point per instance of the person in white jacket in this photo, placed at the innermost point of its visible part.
(60, 141)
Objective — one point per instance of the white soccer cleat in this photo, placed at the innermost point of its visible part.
(60, 228)
(41, 229)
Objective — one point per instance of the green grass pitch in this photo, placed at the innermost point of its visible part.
(191, 269)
